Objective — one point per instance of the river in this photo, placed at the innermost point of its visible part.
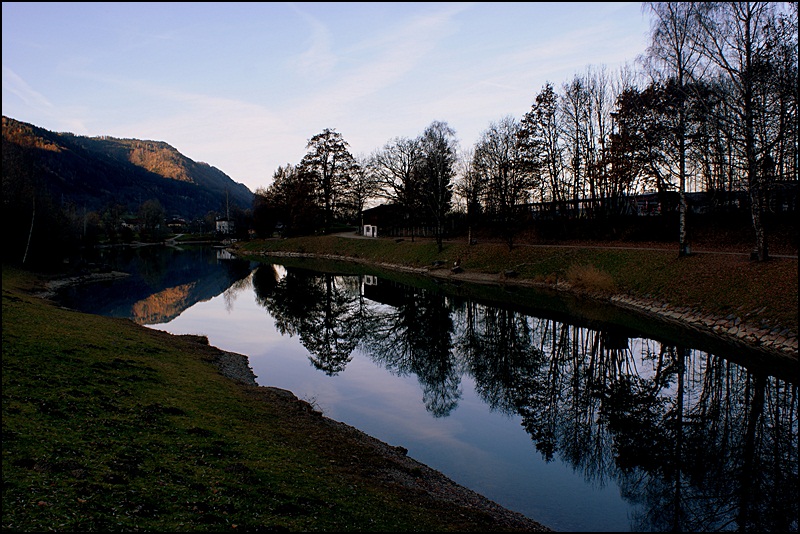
(581, 416)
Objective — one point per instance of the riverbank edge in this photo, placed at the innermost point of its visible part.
(778, 341)
(418, 479)
(425, 479)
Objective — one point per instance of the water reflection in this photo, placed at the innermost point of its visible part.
(697, 442)
(163, 281)
(692, 439)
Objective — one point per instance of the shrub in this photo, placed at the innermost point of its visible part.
(590, 279)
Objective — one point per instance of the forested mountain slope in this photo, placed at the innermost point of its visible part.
(93, 173)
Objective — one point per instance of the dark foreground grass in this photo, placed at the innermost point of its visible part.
(764, 294)
(110, 426)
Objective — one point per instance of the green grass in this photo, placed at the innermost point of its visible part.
(111, 426)
(764, 294)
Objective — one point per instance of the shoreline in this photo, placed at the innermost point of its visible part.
(425, 479)
(778, 341)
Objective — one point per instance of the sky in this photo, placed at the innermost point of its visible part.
(244, 86)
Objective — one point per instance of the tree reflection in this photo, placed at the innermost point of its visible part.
(414, 336)
(496, 345)
(432, 359)
(700, 443)
(321, 309)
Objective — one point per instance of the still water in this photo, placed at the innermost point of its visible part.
(582, 417)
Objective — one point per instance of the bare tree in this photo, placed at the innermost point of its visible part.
(733, 37)
(497, 162)
(783, 39)
(289, 204)
(362, 189)
(671, 49)
(469, 188)
(541, 145)
(438, 149)
(576, 107)
(601, 99)
(395, 171)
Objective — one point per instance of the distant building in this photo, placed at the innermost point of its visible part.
(225, 226)
(177, 224)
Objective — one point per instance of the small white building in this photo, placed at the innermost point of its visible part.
(224, 226)
(370, 230)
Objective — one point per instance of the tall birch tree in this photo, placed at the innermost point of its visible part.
(733, 36)
(675, 56)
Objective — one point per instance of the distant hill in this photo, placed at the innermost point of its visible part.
(95, 172)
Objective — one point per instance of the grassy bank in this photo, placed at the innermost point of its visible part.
(717, 284)
(111, 426)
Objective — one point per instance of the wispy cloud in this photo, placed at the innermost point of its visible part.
(230, 134)
(318, 60)
(38, 104)
(18, 87)
(390, 57)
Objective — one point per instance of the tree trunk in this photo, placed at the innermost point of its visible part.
(754, 183)
(33, 218)
(683, 243)
(761, 253)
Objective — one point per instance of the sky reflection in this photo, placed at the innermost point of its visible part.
(487, 451)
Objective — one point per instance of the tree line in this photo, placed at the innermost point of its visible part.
(710, 106)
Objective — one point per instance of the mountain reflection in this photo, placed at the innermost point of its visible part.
(163, 282)
(699, 442)
(162, 306)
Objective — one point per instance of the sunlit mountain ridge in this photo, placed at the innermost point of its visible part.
(94, 173)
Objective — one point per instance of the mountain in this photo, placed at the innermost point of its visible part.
(94, 173)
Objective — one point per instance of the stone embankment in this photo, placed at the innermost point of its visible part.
(776, 340)
(779, 341)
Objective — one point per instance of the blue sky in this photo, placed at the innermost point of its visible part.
(243, 86)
